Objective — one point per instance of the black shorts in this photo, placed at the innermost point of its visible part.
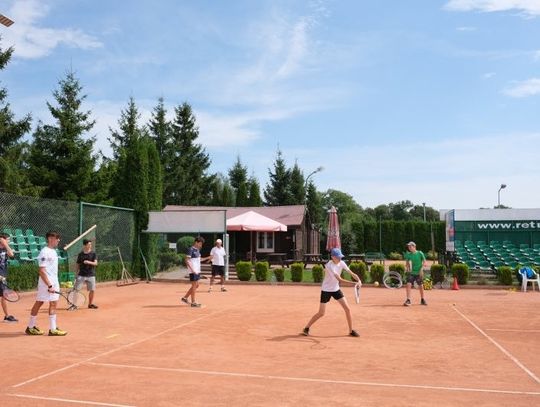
(194, 277)
(218, 270)
(412, 278)
(326, 295)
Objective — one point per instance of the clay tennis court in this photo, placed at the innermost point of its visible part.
(143, 348)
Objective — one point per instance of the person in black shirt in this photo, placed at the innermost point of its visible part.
(5, 252)
(86, 271)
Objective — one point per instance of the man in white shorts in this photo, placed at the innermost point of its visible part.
(86, 271)
(47, 287)
(218, 264)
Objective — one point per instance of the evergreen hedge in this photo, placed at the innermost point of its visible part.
(317, 272)
(438, 273)
(297, 272)
(360, 269)
(504, 275)
(243, 270)
(395, 234)
(261, 270)
(280, 275)
(377, 273)
(461, 271)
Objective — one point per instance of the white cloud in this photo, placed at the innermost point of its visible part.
(454, 173)
(488, 75)
(31, 40)
(527, 8)
(466, 28)
(522, 89)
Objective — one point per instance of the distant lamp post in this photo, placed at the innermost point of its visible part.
(499, 195)
(424, 205)
(312, 173)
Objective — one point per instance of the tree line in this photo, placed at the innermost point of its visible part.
(153, 164)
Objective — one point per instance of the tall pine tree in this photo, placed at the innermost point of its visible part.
(160, 131)
(61, 162)
(187, 182)
(238, 180)
(277, 191)
(297, 186)
(254, 192)
(129, 128)
(12, 149)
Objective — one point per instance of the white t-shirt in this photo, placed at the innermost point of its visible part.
(48, 259)
(218, 256)
(331, 272)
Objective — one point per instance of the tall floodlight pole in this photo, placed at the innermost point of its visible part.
(499, 195)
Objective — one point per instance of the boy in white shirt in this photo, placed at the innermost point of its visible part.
(47, 287)
(218, 264)
(330, 289)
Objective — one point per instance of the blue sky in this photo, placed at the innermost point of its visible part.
(427, 100)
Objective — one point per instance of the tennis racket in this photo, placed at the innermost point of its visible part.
(357, 293)
(9, 294)
(74, 298)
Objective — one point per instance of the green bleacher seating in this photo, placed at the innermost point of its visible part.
(480, 243)
(523, 246)
(471, 264)
(9, 232)
(29, 233)
(24, 255)
(536, 246)
(497, 264)
(485, 265)
(495, 243)
(457, 243)
(18, 232)
(13, 262)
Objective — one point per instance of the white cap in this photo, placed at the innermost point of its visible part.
(411, 244)
(219, 241)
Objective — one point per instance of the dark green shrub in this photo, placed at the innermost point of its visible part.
(399, 267)
(23, 276)
(360, 269)
(261, 270)
(297, 272)
(438, 272)
(504, 275)
(280, 275)
(377, 273)
(109, 270)
(168, 258)
(395, 256)
(317, 272)
(461, 271)
(431, 255)
(184, 243)
(243, 270)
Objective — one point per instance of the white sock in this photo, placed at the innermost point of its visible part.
(52, 322)
(32, 322)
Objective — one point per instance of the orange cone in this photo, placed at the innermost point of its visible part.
(455, 286)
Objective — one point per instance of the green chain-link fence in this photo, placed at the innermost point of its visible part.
(27, 220)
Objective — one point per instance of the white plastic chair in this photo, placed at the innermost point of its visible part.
(525, 280)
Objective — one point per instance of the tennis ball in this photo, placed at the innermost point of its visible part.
(376, 283)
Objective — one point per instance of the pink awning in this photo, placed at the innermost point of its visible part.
(254, 222)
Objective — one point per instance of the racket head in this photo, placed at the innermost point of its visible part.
(357, 293)
(76, 298)
(10, 295)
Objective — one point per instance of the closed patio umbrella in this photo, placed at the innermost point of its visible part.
(333, 239)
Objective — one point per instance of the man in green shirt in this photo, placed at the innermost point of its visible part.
(415, 261)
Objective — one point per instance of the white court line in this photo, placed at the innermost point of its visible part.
(128, 345)
(92, 403)
(514, 330)
(315, 380)
(489, 338)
